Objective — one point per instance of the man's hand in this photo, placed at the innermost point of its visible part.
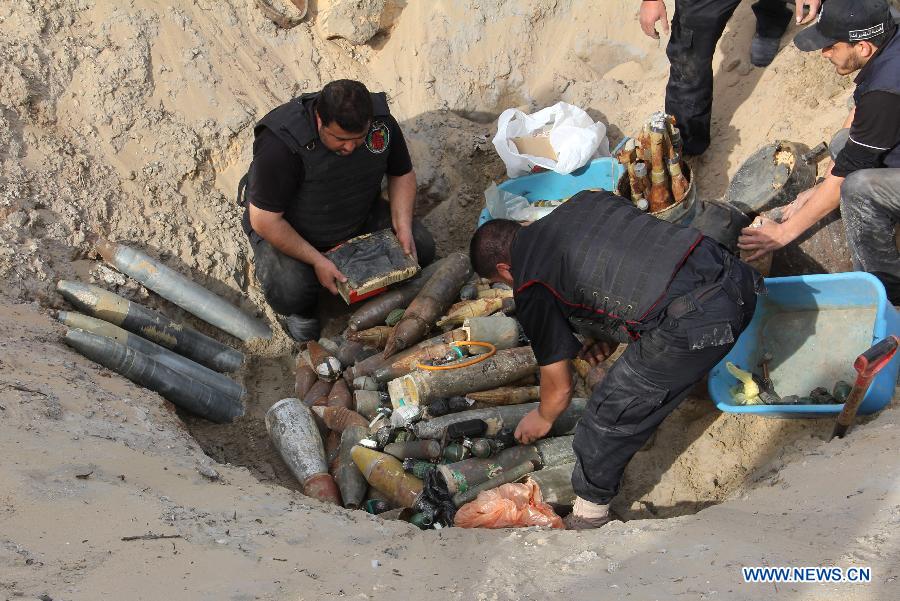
(597, 352)
(532, 427)
(791, 209)
(813, 10)
(651, 12)
(768, 237)
(327, 272)
(407, 243)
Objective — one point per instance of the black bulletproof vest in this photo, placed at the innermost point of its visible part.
(338, 192)
(882, 74)
(603, 257)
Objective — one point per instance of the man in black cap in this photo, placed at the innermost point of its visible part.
(697, 26)
(864, 178)
(599, 267)
(315, 181)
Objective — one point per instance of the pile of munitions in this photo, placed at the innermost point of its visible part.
(656, 173)
(758, 389)
(413, 409)
(181, 364)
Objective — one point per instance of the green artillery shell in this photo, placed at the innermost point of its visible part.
(431, 302)
(455, 451)
(482, 447)
(463, 475)
(324, 363)
(182, 390)
(368, 402)
(415, 449)
(170, 359)
(180, 290)
(555, 484)
(418, 467)
(509, 475)
(507, 395)
(500, 330)
(498, 418)
(405, 362)
(293, 432)
(349, 479)
(421, 387)
(375, 337)
(394, 317)
(304, 377)
(376, 310)
(340, 396)
(386, 474)
(149, 324)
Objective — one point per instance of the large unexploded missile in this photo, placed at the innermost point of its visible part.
(170, 359)
(421, 387)
(149, 324)
(386, 474)
(188, 295)
(431, 302)
(349, 479)
(507, 395)
(499, 419)
(555, 484)
(182, 390)
(375, 311)
(293, 432)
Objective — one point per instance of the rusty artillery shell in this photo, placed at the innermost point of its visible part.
(512, 474)
(376, 310)
(421, 387)
(368, 402)
(660, 194)
(332, 444)
(415, 449)
(495, 293)
(162, 355)
(304, 377)
(498, 419)
(352, 352)
(555, 484)
(507, 395)
(418, 467)
(405, 362)
(319, 389)
(431, 302)
(293, 432)
(340, 396)
(386, 474)
(182, 291)
(151, 325)
(365, 383)
(340, 418)
(324, 363)
(481, 307)
(145, 371)
(463, 475)
(375, 337)
(349, 479)
(368, 366)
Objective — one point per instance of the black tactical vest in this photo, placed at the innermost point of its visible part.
(882, 74)
(338, 192)
(609, 261)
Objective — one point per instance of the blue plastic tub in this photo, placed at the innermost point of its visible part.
(814, 326)
(601, 173)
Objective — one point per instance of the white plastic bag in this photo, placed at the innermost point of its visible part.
(506, 205)
(575, 138)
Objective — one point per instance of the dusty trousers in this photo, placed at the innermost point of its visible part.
(291, 286)
(697, 26)
(655, 373)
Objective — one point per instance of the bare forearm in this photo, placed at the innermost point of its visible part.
(402, 196)
(556, 393)
(826, 198)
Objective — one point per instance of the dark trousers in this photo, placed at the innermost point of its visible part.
(291, 286)
(653, 376)
(697, 26)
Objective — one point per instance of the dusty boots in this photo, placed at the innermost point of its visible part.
(586, 515)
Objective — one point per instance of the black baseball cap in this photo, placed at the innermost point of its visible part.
(846, 21)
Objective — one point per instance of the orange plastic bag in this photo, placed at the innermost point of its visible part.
(508, 506)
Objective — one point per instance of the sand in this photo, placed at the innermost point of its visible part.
(134, 121)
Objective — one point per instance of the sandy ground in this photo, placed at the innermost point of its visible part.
(134, 120)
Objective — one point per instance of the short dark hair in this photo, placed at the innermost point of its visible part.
(346, 102)
(492, 244)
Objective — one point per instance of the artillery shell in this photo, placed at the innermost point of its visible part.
(368, 402)
(508, 475)
(499, 419)
(407, 361)
(164, 356)
(418, 468)
(352, 352)
(507, 395)
(293, 432)
(483, 447)
(180, 290)
(434, 298)
(176, 387)
(500, 330)
(463, 310)
(330, 346)
(332, 444)
(340, 395)
(365, 383)
(318, 390)
(340, 418)
(385, 473)
(349, 479)
(454, 404)
(375, 337)
(555, 484)
(325, 365)
(455, 451)
(462, 475)
(495, 293)
(304, 377)
(376, 310)
(394, 317)
(149, 324)
(416, 449)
